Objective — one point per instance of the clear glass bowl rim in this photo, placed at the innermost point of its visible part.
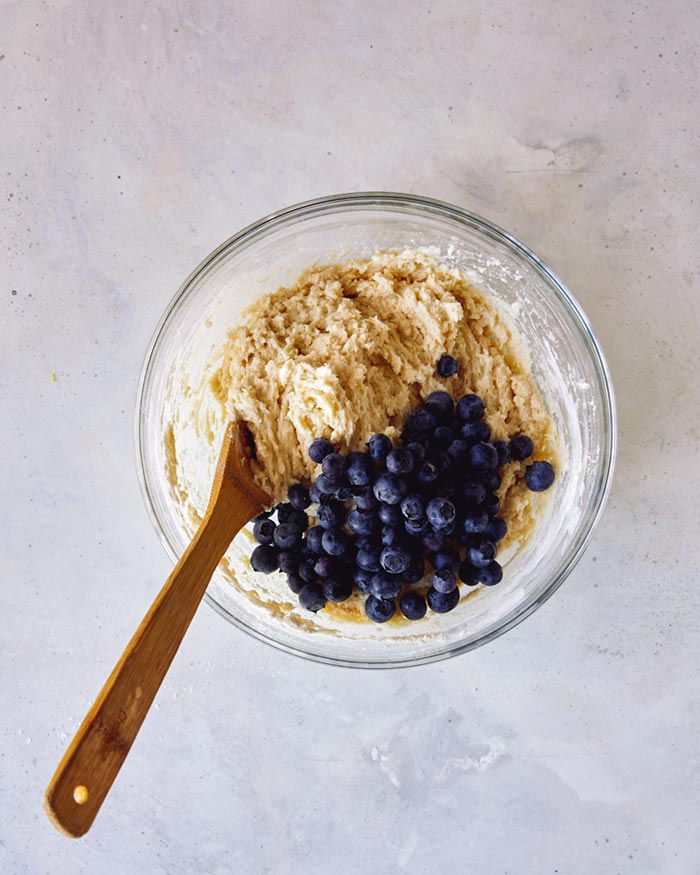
(406, 203)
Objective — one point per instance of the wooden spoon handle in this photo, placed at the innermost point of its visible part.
(105, 736)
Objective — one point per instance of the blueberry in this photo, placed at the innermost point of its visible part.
(539, 476)
(327, 485)
(413, 507)
(389, 488)
(420, 420)
(415, 437)
(521, 446)
(496, 529)
(367, 542)
(447, 489)
(298, 496)
(335, 541)
(441, 602)
(337, 590)
(418, 451)
(295, 583)
(440, 404)
(489, 477)
(443, 461)
(468, 574)
(319, 449)
(368, 559)
(379, 610)
(287, 536)
(448, 557)
(286, 512)
(490, 574)
(314, 539)
(362, 579)
(447, 366)
(299, 518)
(333, 465)
(503, 450)
(412, 606)
(385, 586)
(392, 535)
(433, 542)
(289, 561)
(306, 570)
(395, 559)
(331, 515)
(400, 461)
(390, 514)
(362, 522)
(264, 559)
(379, 446)
(315, 493)
(481, 554)
(311, 597)
(444, 580)
(475, 432)
(415, 570)
(483, 456)
(428, 474)
(343, 492)
(475, 521)
(445, 530)
(326, 566)
(366, 500)
(359, 469)
(491, 504)
(264, 531)
(443, 436)
(473, 492)
(417, 528)
(440, 512)
(470, 408)
(458, 450)
(263, 515)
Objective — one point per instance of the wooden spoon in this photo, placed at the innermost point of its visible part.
(101, 744)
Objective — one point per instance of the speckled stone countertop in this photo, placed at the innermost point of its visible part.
(136, 138)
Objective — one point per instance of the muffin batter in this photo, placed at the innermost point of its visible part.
(349, 350)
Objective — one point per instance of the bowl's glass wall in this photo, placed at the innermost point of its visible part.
(566, 365)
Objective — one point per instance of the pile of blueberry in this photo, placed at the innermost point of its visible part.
(381, 513)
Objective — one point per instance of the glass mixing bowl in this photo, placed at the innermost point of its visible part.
(567, 366)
